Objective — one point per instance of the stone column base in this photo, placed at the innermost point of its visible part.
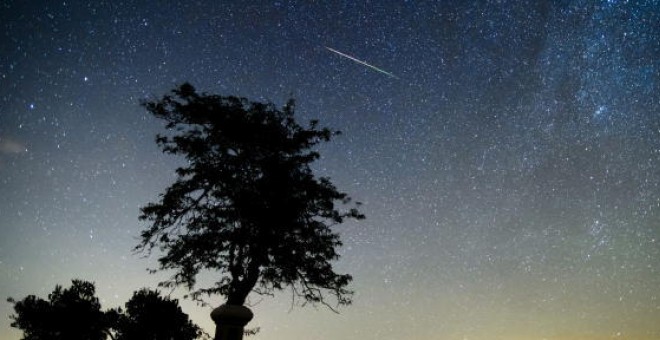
(230, 321)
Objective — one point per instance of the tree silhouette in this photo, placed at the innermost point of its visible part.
(151, 316)
(247, 205)
(75, 314)
(69, 314)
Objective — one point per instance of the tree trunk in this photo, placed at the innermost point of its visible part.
(241, 289)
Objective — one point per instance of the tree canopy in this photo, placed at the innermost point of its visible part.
(246, 205)
(148, 315)
(75, 313)
(69, 314)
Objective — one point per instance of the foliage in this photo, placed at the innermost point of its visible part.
(151, 316)
(247, 204)
(68, 314)
(75, 314)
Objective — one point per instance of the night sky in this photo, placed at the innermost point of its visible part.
(509, 163)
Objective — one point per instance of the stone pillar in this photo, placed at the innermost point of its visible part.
(230, 321)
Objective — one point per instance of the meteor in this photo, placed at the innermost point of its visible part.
(362, 62)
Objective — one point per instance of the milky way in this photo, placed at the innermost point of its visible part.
(510, 175)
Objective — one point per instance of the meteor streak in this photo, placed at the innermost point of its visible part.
(362, 62)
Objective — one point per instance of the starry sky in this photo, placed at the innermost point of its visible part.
(509, 169)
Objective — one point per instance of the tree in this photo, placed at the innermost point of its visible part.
(247, 204)
(73, 313)
(151, 316)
